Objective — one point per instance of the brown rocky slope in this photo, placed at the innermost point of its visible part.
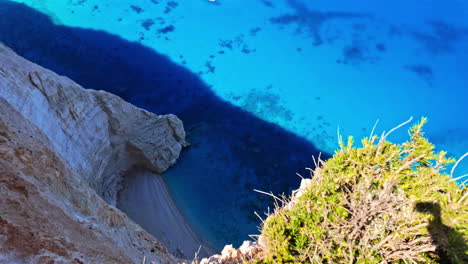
(64, 151)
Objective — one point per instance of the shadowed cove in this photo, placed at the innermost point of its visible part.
(231, 153)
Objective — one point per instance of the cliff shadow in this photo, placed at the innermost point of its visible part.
(232, 152)
(451, 245)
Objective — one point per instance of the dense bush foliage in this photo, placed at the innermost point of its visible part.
(379, 203)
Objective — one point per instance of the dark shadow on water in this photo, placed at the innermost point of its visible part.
(451, 245)
(232, 151)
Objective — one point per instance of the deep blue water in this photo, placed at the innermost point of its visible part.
(260, 85)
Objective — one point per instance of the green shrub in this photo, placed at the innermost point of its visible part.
(380, 203)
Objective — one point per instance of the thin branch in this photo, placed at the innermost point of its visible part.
(259, 217)
(463, 198)
(456, 164)
(395, 128)
(195, 259)
(269, 194)
(409, 163)
(254, 237)
(458, 178)
(464, 182)
(340, 138)
(315, 161)
(373, 129)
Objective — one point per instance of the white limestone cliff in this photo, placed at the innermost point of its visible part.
(64, 151)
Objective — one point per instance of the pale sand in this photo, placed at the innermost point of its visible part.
(146, 199)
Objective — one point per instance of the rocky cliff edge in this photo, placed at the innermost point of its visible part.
(64, 150)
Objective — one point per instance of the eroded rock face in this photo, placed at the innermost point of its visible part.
(63, 152)
(96, 133)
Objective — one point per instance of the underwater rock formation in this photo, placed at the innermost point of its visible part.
(64, 151)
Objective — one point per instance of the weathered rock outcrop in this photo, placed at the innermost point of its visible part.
(229, 255)
(249, 250)
(63, 153)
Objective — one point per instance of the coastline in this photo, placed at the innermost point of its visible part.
(146, 199)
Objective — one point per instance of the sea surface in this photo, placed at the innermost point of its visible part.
(261, 85)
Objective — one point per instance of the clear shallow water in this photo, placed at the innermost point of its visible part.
(308, 67)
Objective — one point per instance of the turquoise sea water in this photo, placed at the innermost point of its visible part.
(261, 85)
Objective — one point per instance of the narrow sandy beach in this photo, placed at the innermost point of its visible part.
(146, 199)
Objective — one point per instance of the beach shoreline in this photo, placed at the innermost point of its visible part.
(145, 198)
